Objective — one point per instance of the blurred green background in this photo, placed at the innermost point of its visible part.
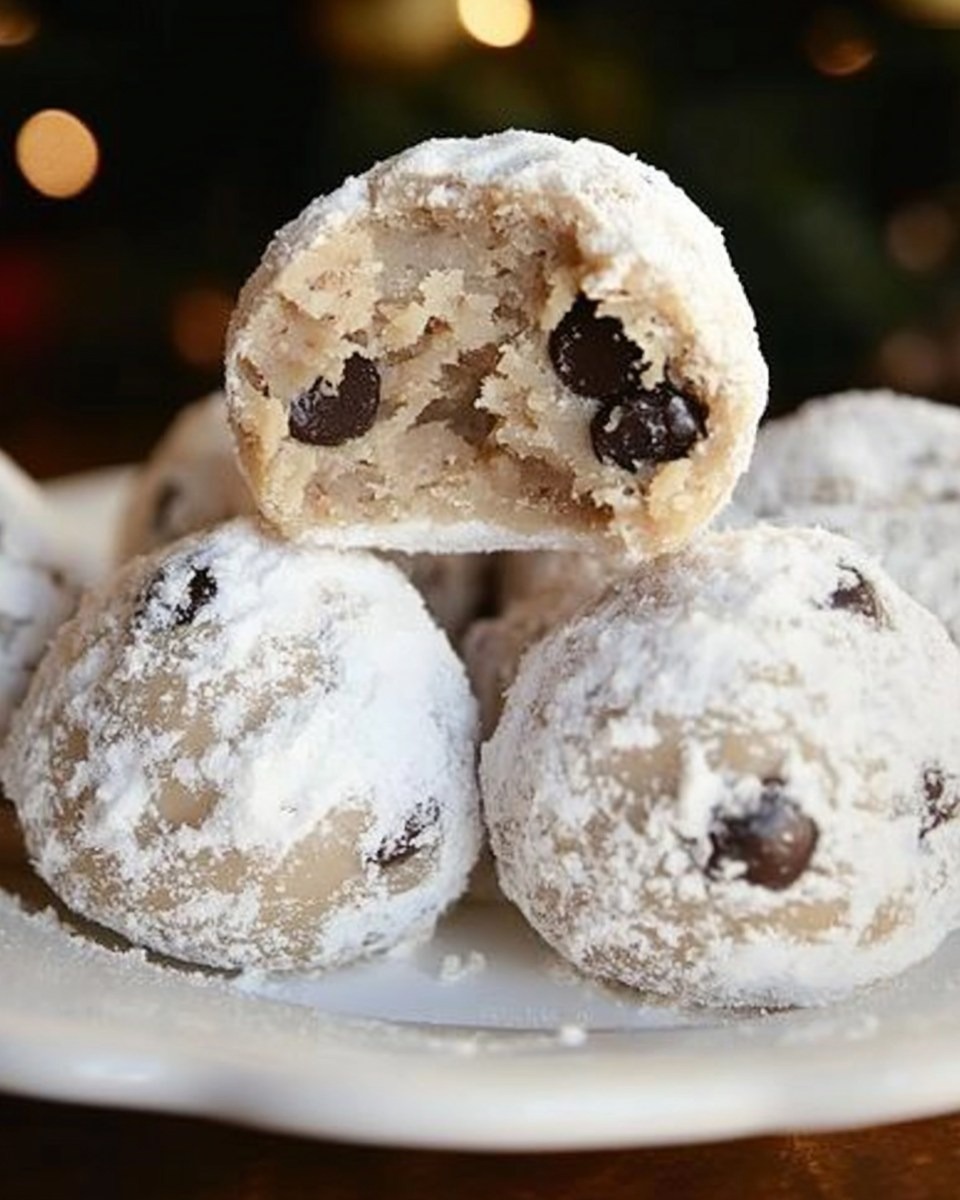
(825, 140)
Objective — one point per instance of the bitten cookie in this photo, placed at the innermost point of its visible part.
(507, 342)
(879, 468)
(246, 753)
(38, 590)
(735, 779)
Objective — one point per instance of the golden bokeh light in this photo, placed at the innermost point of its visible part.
(837, 46)
(920, 236)
(405, 33)
(930, 12)
(497, 23)
(198, 325)
(17, 26)
(910, 360)
(57, 153)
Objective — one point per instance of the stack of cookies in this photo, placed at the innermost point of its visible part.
(481, 404)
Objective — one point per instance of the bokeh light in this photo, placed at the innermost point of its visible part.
(57, 153)
(498, 23)
(921, 236)
(198, 325)
(837, 45)
(910, 360)
(931, 12)
(412, 33)
(17, 26)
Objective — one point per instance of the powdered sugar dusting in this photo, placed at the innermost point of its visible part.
(37, 591)
(636, 734)
(244, 752)
(870, 449)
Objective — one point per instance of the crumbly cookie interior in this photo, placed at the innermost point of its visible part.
(454, 311)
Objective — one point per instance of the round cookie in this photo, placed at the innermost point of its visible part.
(38, 589)
(513, 341)
(190, 482)
(879, 468)
(246, 753)
(734, 780)
(871, 449)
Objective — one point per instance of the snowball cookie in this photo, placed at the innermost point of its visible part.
(507, 342)
(871, 449)
(245, 753)
(37, 583)
(876, 467)
(734, 780)
(190, 482)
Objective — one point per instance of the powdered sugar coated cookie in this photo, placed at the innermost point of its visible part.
(37, 587)
(735, 779)
(508, 341)
(248, 753)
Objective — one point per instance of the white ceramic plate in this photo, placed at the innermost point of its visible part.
(480, 1038)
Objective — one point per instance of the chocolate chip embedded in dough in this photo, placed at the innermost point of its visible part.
(329, 414)
(200, 591)
(653, 426)
(592, 355)
(941, 800)
(774, 842)
(160, 606)
(398, 849)
(856, 594)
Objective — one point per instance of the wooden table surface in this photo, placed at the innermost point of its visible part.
(52, 1151)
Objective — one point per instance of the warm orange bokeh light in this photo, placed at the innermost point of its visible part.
(17, 26)
(910, 360)
(930, 12)
(199, 324)
(921, 236)
(836, 45)
(57, 153)
(498, 23)
(406, 33)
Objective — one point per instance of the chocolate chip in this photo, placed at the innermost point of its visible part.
(592, 355)
(200, 591)
(329, 415)
(941, 800)
(658, 425)
(856, 594)
(774, 842)
(402, 846)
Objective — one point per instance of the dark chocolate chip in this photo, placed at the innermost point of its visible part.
(774, 842)
(658, 425)
(592, 355)
(200, 591)
(329, 415)
(402, 846)
(941, 800)
(856, 594)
